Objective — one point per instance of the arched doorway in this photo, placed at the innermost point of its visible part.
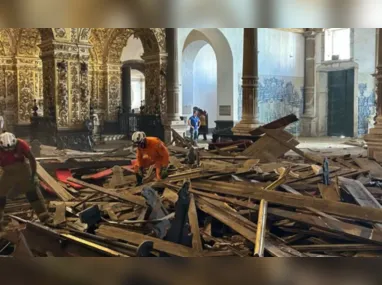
(133, 78)
(208, 75)
(107, 50)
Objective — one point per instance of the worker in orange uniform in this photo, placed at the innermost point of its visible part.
(150, 151)
(19, 175)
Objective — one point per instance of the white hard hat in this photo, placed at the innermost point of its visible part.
(138, 137)
(8, 141)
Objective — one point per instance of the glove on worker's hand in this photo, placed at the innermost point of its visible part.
(139, 176)
(164, 172)
(34, 179)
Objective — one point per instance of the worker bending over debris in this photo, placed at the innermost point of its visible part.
(150, 151)
(19, 175)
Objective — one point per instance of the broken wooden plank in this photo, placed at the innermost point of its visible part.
(370, 165)
(53, 184)
(137, 238)
(336, 208)
(337, 247)
(262, 217)
(277, 124)
(278, 136)
(329, 192)
(361, 195)
(124, 197)
(359, 192)
(240, 224)
(267, 149)
(351, 230)
(59, 215)
(194, 225)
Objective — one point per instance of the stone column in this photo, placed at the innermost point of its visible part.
(309, 120)
(172, 77)
(374, 137)
(250, 84)
(172, 83)
(155, 85)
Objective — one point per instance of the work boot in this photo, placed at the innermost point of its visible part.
(38, 205)
(3, 201)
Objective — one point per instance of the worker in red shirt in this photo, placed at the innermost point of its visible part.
(150, 151)
(18, 174)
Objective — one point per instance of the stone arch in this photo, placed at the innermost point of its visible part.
(46, 34)
(194, 42)
(107, 47)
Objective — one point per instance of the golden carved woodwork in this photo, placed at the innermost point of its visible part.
(107, 45)
(28, 71)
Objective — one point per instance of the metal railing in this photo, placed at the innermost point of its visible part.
(150, 124)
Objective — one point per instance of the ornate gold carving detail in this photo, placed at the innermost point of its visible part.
(75, 93)
(62, 95)
(2, 90)
(25, 86)
(84, 35)
(60, 32)
(28, 41)
(24, 77)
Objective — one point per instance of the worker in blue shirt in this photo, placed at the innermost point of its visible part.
(194, 123)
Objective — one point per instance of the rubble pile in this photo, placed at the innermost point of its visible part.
(238, 198)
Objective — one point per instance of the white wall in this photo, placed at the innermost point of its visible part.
(137, 88)
(133, 51)
(281, 75)
(364, 55)
(281, 71)
(205, 83)
(228, 91)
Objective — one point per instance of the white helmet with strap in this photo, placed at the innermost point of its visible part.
(138, 137)
(8, 141)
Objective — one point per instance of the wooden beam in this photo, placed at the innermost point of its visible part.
(277, 134)
(52, 183)
(194, 224)
(337, 247)
(124, 197)
(370, 165)
(137, 238)
(291, 200)
(243, 226)
(350, 230)
(361, 195)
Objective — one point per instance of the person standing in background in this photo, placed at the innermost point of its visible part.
(194, 123)
(203, 125)
(1, 123)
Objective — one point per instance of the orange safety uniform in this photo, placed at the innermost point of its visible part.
(154, 153)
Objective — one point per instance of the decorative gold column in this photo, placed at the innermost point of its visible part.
(250, 84)
(374, 137)
(172, 84)
(308, 120)
(155, 70)
(66, 87)
(8, 92)
(112, 79)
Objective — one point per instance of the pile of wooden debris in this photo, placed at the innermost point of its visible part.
(235, 199)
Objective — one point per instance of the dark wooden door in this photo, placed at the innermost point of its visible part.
(341, 103)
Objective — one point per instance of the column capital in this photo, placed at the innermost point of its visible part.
(311, 33)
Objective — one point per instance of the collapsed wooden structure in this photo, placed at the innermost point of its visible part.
(235, 199)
